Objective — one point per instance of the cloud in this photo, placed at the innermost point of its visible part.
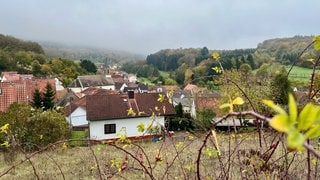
(145, 26)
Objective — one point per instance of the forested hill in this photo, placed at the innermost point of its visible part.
(277, 46)
(12, 44)
(96, 55)
(281, 50)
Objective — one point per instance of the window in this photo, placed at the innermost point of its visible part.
(109, 128)
(0, 91)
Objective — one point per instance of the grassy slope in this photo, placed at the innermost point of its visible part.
(164, 74)
(79, 162)
(299, 74)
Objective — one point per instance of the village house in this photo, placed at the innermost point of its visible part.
(100, 81)
(19, 88)
(206, 100)
(115, 114)
(75, 107)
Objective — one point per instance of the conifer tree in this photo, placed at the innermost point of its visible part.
(37, 99)
(48, 97)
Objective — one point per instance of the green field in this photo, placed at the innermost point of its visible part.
(145, 81)
(299, 75)
(164, 74)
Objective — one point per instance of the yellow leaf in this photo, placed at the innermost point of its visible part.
(214, 134)
(313, 132)
(317, 42)
(215, 55)
(275, 107)
(161, 98)
(4, 128)
(293, 112)
(307, 116)
(5, 144)
(238, 101)
(131, 112)
(280, 123)
(295, 140)
(225, 105)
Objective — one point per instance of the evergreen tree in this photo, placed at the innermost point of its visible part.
(37, 99)
(251, 61)
(88, 66)
(280, 87)
(179, 110)
(48, 97)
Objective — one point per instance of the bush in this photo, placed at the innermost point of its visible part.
(46, 127)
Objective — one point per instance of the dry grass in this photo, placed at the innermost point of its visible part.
(173, 159)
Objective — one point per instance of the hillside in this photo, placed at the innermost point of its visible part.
(58, 50)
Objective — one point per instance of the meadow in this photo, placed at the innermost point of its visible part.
(184, 156)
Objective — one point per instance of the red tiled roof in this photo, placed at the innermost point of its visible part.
(21, 91)
(81, 102)
(190, 87)
(95, 90)
(113, 106)
(207, 101)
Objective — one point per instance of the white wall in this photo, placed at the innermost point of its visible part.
(78, 117)
(130, 125)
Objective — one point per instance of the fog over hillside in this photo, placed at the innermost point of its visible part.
(145, 27)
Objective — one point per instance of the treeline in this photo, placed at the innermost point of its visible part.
(12, 44)
(195, 64)
(188, 65)
(285, 51)
(95, 55)
(28, 58)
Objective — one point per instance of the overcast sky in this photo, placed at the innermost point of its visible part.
(146, 26)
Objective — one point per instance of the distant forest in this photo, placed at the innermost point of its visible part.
(28, 57)
(168, 66)
(192, 64)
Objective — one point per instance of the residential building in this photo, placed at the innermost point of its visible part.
(115, 114)
(19, 88)
(99, 81)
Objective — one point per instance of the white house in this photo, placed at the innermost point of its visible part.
(77, 114)
(113, 115)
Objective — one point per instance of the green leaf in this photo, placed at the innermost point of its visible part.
(295, 140)
(317, 42)
(275, 107)
(293, 112)
(238, 101)
(280, 123)
(313, 132)
(307, 116)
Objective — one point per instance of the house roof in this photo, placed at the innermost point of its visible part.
(14, 76)
(207, 100)
(95, 90)
(81, 102)
(114, 106)
(92, 81)
(190, 87)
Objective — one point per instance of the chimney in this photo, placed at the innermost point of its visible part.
(131, 94)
